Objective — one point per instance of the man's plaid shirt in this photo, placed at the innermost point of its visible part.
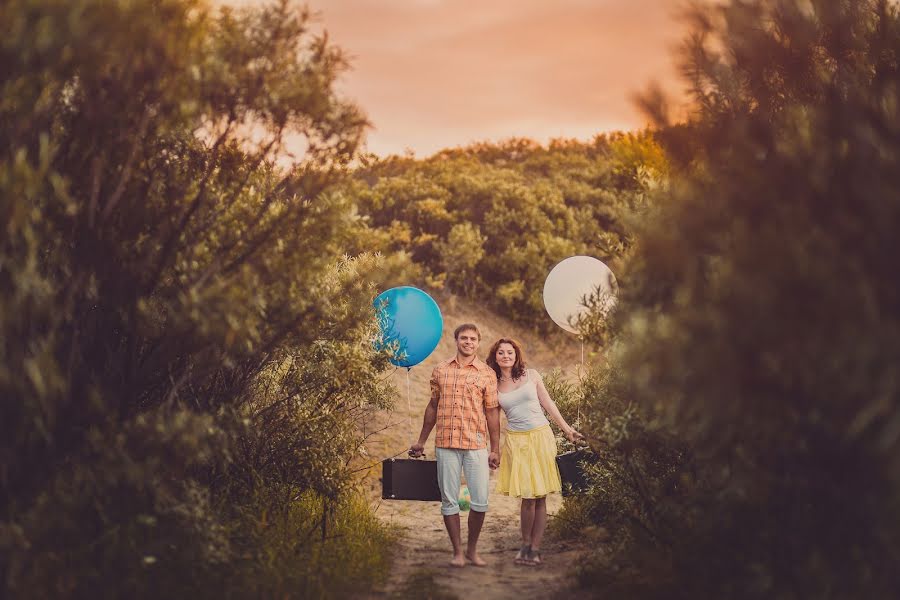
(462, 394)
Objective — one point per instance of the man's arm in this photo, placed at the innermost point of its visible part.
(553, 411)
(493, 424)
(418, 449)
(492, 414)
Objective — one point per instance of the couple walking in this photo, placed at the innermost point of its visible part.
(466, 398)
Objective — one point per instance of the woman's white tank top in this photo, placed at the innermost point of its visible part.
(522, 406)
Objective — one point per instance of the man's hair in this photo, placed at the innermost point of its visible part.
(466, 327)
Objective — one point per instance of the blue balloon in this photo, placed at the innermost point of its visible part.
(410, 320)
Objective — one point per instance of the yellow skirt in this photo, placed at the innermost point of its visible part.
(528, 464)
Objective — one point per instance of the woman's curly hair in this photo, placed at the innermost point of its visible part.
(518, 369)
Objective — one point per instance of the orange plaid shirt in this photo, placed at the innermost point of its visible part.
(462, 394)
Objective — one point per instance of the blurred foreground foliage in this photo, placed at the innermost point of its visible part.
(184, 350)
(747, 423)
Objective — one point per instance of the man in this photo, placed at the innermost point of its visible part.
(465, 409)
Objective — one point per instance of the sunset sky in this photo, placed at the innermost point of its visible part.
(433, 74)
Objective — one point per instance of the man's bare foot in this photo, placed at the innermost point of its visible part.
(476, 560)
(458, 561)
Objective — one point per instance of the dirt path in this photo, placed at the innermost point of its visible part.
(423, 550)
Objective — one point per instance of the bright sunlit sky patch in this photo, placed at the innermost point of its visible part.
(433, 74)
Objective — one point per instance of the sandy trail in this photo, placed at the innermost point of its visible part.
(423, 544)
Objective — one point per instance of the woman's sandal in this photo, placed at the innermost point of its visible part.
(534, 558)
(523, 556)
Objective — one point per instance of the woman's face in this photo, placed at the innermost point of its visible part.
(506, 355)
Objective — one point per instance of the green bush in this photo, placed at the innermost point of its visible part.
(634, 467)
(309, 548)
(183, 343)
(756, 334)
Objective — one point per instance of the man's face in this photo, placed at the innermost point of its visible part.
(467, 342)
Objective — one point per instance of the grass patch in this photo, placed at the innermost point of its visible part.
(292, 560)
(571, 519)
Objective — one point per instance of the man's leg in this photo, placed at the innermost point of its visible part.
(449, 466)
(451, 522)
(475, 464)
(476, 520)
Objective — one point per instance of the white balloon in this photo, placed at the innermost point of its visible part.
(571, 280)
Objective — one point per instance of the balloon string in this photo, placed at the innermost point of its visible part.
(409, 406)
(581, 376)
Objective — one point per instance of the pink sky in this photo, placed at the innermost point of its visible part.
(434, 74)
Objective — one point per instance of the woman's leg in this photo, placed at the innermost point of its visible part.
(527, 515)
(527, 523)
(539, 523)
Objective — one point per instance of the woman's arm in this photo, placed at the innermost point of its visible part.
(549, 405)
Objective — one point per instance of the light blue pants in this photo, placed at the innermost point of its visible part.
(451, 462)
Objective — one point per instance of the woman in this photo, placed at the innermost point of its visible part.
(528, 458)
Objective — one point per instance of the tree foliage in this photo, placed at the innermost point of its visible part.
(491, 220)
(183, 349)
(757, 333)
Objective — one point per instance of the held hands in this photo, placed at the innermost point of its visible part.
(494, 460)
(417, 450)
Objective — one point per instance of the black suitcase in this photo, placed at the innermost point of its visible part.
(571, 470)
(409, 479)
